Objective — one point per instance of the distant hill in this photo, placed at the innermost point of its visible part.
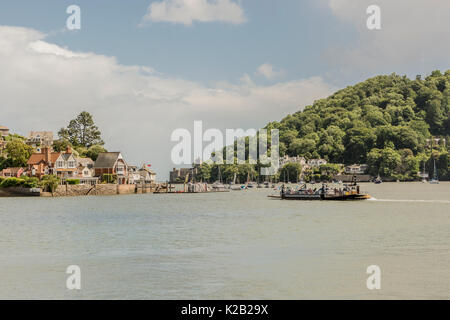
(390, 114)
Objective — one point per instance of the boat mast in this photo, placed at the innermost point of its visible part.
(435, 175)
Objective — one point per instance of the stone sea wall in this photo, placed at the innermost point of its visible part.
(19, 191)
(88, 190)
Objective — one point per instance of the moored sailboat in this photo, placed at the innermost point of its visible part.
(435, 179)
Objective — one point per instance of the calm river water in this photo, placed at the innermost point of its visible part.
(237, 245)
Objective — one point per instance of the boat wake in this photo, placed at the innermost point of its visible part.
(409, 200)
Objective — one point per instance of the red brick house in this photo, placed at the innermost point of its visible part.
(48, 162)
(41, 164)
(111, 163)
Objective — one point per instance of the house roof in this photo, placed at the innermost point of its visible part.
(146, 169)
(85, 161)
(38, 157)
(42, 134)
(106, 159)
(66, 156)
(3, 128)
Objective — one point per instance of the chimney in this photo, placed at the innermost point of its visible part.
(48, 154)
(69, 149)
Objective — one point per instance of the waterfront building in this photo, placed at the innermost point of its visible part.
(133, 175)
(66, 164)
(85, 167)
(62, 164)
(42, 163)
(316, 163)
(147, 175)
(112, 163)
(356, 169)
(40, 139)
(286, 159)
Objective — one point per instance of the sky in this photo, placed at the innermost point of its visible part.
(145, 68)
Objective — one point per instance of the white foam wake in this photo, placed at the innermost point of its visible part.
(410, 200)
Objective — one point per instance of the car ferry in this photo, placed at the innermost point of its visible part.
(344, 192)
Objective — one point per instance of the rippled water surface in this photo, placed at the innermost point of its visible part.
(237, 245)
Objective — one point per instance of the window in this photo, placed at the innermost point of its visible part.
(120, 169)
(60, 164)
(71, 164)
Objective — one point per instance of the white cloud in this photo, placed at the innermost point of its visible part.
(188, 11)
(413, 36)
(43, 86)
(268, 71)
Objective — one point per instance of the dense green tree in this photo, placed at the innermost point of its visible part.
(303, 146)
(409, 165)
(93, 151)
(389, 162)
(290, 172)
(61, 145)
(327, 171)
(82, 131)
(247, 172)
(18, 153)
(203, 172)
(50, 183)
(358, 142)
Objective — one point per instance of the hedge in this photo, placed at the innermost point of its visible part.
(109, 178)
(25, 182)
(73, 181)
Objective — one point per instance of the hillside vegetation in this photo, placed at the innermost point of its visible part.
(384, 121)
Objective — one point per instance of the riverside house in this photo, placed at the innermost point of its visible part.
(48, 162)
(42, 163)
(112, 163)
(85, 167)
(316, 163)
(133, 175)
(147, 175)
(66, 164)
(356, 169)
(286, 159)
(85, 171)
